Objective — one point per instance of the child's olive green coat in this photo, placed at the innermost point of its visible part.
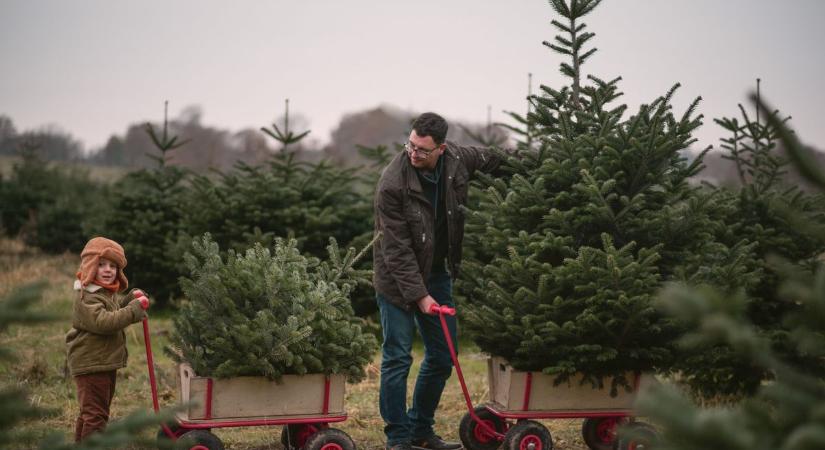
(96, 341)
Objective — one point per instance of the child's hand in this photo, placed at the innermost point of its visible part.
(144, 301)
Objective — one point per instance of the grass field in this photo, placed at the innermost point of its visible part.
(40, 369)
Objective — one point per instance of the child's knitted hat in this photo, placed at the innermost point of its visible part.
(90, 256)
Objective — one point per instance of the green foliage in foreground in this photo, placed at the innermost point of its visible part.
(757, 211)
(786, 413)
(15, 406)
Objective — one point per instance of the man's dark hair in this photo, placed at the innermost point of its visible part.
(431, 124)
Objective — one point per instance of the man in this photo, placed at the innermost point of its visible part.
(417, 210)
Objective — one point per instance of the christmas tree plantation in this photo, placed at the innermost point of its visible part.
(786, 413)
(283, 196)
(757, 211)
(598, 212)
(270, 313)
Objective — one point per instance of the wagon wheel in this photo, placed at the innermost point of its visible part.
(330, 439)
(636, 436)
(202, 440)
(599, 433)
(295, 436)
(476, 437)
(528, 435)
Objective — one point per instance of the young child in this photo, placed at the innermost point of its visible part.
(96, 344)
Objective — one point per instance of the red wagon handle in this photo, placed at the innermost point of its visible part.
(438, 309)
(150, 362)
(446, 310)
(147, 341)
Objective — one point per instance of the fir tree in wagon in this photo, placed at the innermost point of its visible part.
(598, 212)
(268, 337)
(271, 313)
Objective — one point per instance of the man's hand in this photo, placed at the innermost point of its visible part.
(425, 303)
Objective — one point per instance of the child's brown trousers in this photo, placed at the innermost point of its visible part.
(94, 394)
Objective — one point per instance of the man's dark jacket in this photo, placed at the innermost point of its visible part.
(403, 257)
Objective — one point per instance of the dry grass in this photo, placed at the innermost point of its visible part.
(40, 368)
(106, 174)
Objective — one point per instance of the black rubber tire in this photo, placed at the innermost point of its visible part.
(528, 435)
(203, 438)
(473, 436)
(329, 439)
(599, 433)
(635, 436)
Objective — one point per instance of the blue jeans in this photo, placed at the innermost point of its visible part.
(398, 327)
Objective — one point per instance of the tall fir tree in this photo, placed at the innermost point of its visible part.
(597, 213)
(144, 215)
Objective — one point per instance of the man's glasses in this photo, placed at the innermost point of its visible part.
(412, 148)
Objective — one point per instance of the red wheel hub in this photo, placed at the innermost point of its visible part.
(304, 433)
(481, 434)
(199, 447)
(332, 446)
(606, 429)
(530, 442)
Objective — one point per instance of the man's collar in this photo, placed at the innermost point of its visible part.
(433, 175)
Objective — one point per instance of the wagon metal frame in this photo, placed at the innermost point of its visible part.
(493, 429)
(310, 432)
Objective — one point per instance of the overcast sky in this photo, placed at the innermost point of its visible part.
(93, 67)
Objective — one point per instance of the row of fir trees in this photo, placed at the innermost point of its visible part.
(157, 213)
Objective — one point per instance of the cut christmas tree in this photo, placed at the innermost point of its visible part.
(598, 212)
(270, 313)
